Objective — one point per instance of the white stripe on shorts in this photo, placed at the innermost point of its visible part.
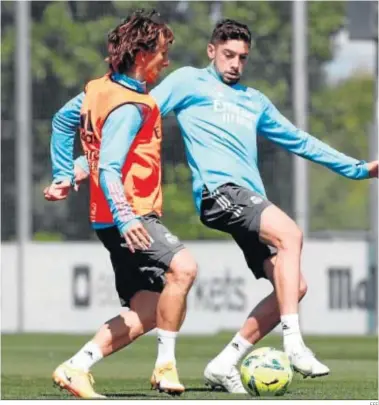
(226, 205)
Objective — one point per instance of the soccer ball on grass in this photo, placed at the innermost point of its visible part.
(266, 372)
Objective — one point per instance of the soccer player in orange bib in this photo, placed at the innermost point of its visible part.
(121, 135)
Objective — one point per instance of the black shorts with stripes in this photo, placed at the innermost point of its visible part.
(237, 210)
(142, 270)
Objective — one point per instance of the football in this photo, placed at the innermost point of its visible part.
(266, 372)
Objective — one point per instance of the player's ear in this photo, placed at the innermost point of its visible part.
(140, 58)
(211, 50)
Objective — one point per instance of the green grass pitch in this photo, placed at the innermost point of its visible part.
(28, 360)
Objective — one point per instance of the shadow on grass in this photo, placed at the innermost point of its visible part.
(202, 389)
(118, 395)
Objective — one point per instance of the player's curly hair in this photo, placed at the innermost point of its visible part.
(140, 31)
(230, 29)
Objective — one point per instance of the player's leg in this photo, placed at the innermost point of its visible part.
(261, 223)
(129, 325)
(120, 331)
(115, 334)
(73, 375)
(278, 230)
(266, 315)
(234, 210)
(180, 269)
(172, 302)
(262, 320)
(238, 211)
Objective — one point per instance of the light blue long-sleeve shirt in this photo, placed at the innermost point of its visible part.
(118, 134)
(65, 124)
(220, 123)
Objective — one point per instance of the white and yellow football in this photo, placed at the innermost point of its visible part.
(266, 372)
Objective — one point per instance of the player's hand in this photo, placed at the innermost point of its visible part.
(57, 192)
(373, 169)
(137, 237)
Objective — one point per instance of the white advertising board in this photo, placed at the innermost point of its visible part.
(69, 287)
(9, 288)
(336, 301)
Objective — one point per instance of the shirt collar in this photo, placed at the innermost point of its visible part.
(129, 82)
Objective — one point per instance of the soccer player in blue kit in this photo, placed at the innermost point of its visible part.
(220, 119)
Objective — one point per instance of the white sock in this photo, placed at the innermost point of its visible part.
(86, 357)
(166, 346)
(234, 351)
(292, 338)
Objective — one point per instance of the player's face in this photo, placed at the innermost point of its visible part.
(155, 62)
(229, 59)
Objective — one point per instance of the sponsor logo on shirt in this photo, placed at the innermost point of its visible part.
(232, 113)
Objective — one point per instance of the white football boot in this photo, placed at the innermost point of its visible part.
(227, 379)
(304, 362)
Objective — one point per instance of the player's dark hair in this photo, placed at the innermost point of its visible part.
(138, 32)
(227, 29)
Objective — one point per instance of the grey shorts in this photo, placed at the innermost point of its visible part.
(142, 270)
(237, 210)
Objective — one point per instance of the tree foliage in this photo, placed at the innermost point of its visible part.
(341, 116)
(68, 47)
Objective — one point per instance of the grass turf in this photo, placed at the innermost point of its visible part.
(28, 360)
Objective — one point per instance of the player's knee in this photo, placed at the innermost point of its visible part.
(292, 239)
(184, 273)
(136, 331)
(303, 289)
